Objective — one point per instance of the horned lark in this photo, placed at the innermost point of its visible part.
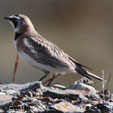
(41, 53)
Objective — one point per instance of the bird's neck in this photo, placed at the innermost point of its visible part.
(21, 30)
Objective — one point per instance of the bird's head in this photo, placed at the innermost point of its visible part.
(20, 23)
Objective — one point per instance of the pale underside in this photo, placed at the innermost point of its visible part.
(45, 60)
(43, 67)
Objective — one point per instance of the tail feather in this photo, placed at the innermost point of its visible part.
(87, 74)
(95, 76)
(80, 69)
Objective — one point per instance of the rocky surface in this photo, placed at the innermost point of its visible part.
(33, 97)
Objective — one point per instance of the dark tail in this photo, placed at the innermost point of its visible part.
(80, 70)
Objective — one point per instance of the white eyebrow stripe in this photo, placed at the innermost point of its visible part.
(13, 16)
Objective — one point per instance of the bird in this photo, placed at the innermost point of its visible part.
(42, 54)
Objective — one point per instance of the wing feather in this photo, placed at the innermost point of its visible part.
(48, 55)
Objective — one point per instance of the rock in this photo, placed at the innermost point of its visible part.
(34, 97)
(67, 107)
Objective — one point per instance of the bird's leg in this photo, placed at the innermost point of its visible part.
(52, 78)
(42, 78)
(46, 73)
(49, 81)
(15, 68)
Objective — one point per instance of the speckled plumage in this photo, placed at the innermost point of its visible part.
(40, 52)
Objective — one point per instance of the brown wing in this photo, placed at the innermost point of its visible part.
(43, 54)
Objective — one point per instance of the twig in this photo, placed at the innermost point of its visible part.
(15, 68)
(103, 86)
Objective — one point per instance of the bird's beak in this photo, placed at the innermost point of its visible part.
(7, 18)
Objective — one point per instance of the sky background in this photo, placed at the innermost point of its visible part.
(82, 28)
